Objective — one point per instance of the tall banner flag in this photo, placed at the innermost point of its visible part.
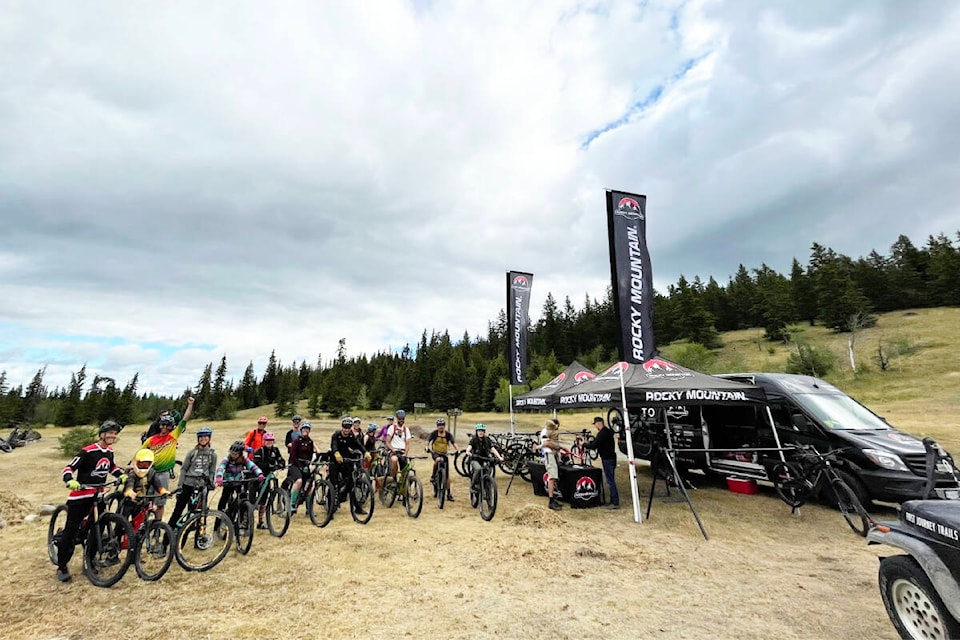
(631, 274)
(518, 308)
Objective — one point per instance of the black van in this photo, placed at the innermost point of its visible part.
(880, 462)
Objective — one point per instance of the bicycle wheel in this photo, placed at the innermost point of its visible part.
(488, 498)
(321, 503)
(109, 550)
(154, 551)
(388, 492)
(850, 507)
(57, 521)
(441, 485)
(461, 463)
(414, 496)
(114, 502)
(362, 500)
(204, 540)
(245, 526)
(278, 512)
(791, 488)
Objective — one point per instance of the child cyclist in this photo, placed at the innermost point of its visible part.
(141, 482)
(199, 467)
(231, 469)
(269, 459)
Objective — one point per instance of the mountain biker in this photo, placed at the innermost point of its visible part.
(154, 427)
(439, 443)
(302, 453)
(382, 431)
(398, 441)
(269, 459)
(357, 432)
(343, 444)
(199, 467)
(140, 482)
(164, 447)
(480, 445)
(294, 431)
(254, 439)
(85, 476)
(370, 439)
(231, 469)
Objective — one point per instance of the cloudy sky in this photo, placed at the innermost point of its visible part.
(180, 181)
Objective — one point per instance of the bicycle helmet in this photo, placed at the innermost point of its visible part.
(237, 447)
(346, 422)
(441, 422)
(204, 431)
(268, 435)
(166, 421)
(297, 418)
(480, 427)
(401, 414)
(356, 420)
(306, 425)
(372, 427)
(110, 425)
(262, 420)
(142, 462)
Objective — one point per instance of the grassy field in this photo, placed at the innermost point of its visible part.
(530, 572)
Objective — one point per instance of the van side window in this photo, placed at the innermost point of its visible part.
(781, 415)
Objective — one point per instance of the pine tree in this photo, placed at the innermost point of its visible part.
(69, 414)
(247, 393)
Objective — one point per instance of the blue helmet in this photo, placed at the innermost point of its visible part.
(204, 431)
(372, 426)
(401, 414)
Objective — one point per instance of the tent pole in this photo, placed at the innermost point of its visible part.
(631, 461)
(512, 420)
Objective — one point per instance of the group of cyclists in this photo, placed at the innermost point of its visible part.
(152, 467)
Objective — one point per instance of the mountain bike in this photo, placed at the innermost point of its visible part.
(274, 502)
(154, 539)
(106, 538)
(18, 438)
(317, 491)
(483, 487)
(461, 463)
(406, 486)
(361, 496)
(810, 473)
(439, 480)
(204, 535)
(579, 452)
(240, 510)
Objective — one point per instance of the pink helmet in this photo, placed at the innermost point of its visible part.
(262, 420)
(268, 435)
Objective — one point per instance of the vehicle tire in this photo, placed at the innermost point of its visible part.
(791, 489)
(414, 495)
(440, 486)
(488, 498)
(321, 503)
(109, 550)
(57, 521)
(246, 517)
(849, 506)
(913, 604)
(154, 551)
(204, 540)
(278, 512)
(388, 492)
(363, 498)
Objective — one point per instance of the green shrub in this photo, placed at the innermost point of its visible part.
(691, 355)
(77, 438)
(811, 360)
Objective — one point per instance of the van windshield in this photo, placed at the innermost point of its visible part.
(840, 412)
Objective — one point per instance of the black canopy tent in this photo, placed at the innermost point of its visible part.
(545, 397)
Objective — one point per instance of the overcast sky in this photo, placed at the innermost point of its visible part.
(180, 181)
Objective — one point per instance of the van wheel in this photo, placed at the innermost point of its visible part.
(858, 489)
(912, 603)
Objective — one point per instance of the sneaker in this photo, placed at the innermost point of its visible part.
(450, 498)
(555, 505)
(63, 575)
(613, 506)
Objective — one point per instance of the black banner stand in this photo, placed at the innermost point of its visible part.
(666, 456)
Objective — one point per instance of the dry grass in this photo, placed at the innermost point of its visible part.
(530, 572)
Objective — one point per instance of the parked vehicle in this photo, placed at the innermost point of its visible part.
(876, 460)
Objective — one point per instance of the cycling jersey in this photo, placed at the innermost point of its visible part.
(199, 462)
(164, 447)
(301, 451)
(269, 459)
(439, 444)
(397, 437)
(90, 467)
(231, 471)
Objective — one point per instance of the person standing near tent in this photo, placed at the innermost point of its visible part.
(604, 445)
(550, 450)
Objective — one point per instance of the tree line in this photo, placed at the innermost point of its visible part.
(471, 373)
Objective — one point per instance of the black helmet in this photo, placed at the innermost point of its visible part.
(237, 447)
(110, 425)
(346, 422)
(297, 418)
(441, 422)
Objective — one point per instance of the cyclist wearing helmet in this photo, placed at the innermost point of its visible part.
(164, 447)
(254, 439)
(357, 430)
(398, 441)
(370, 438)
(294, 431)
(140, 482)
(268, 458)
(480, 445)
(439, 443)
(199, 468)
(231, 469)
(382, 431)
(302, 453)
(344, 444)
(83, 476)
